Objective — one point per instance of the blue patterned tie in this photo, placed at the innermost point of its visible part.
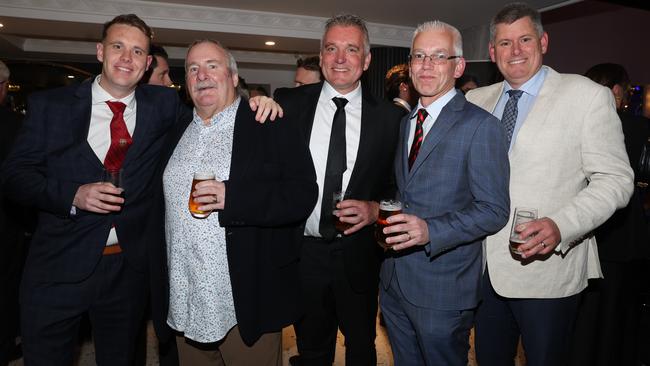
(509, 118)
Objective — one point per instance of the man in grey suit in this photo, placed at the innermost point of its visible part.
(567, 160)
(452, 173)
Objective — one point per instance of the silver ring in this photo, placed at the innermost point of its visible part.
(543, 244)
(409, 236)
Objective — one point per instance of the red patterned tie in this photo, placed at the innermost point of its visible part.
(418, 136)
(120, 138)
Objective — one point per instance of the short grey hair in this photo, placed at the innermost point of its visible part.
(232, 64)
(513, 12)
(4, 72)
(349, 20)
(437, 25)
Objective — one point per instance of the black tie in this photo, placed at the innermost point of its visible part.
(336, 165)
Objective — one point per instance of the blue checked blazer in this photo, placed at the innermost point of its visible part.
(459, 186)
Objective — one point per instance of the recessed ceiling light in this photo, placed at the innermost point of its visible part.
(269, 43)
(1, 25)
(70, 76)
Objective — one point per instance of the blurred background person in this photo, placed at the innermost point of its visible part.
(12, 234)
(466, 83)
(399, 88)
(607, 326)
(308, 71)
(258, 91)
(158, 71)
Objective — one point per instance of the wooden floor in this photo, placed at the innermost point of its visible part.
(384, 355)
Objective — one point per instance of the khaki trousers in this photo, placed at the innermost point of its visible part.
(231, 351)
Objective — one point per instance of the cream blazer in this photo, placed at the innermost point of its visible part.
(569, 162)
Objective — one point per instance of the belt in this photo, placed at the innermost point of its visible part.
(112, 249)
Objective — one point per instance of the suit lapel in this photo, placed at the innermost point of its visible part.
(369, 128)
(448, 116)
(309, 112)
(244, 141)
(145, 117)
(80, 121)
(401, 160)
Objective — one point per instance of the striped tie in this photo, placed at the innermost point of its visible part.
(418, 136)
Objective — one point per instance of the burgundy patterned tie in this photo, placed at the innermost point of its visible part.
(120, 138)
(418, 136)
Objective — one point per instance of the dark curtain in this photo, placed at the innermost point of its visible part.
(383, 58)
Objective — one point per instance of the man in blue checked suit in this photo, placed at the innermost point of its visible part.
(452, 174)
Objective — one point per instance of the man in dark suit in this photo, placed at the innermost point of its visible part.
(233, 275)
(452, 175)
(607, 324)
(352, 138)
(13, 225)
(88, 252)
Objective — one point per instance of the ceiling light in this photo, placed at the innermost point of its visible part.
(70, 76)
(1, 25)
(269, 43)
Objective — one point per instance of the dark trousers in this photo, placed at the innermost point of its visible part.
(545, 326)
(331, 303)
(12, 259)
(607, 326)
(114, 296)
(424, 336)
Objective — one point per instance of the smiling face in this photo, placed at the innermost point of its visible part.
(342, 57)
(123, 54)
(211, 84)
(433, 81)
(518, 50)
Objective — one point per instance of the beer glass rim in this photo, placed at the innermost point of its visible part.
(390, 205)
(203, 175)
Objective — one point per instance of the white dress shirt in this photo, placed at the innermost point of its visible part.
(99, 130)
(320, 139)
(434, 110)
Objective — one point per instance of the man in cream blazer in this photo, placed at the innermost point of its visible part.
(567, 160)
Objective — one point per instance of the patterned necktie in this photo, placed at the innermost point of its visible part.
(120, 138)
(509, 118)
(418, 136)
(336, 165)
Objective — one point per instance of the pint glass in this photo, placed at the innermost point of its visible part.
(522, 215)
(340, 226)
(194, 206)
(387, 208)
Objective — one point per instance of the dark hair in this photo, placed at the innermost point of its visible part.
(609, 74)
(513, 12)
(349, 20)
(465, 78)
(397, 75)
(309, 63)
(128, 19)
(154, 50)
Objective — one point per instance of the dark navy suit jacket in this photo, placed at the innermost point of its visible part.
(52, 158)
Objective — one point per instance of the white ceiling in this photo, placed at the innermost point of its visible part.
(67, 29)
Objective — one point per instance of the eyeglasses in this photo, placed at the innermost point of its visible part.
(439, 58)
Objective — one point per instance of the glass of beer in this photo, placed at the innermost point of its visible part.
(522, 215)
(387, 208)
(340, 226)
(194, 206)
(113, 176)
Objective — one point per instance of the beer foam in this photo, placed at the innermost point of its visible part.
(390, 205)
(203, 175)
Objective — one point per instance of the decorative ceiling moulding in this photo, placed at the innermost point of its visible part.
(191, 17)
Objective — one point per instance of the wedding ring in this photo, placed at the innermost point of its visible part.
(543, 245)
(409, 236)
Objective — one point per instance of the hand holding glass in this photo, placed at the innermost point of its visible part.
(340, 226)
(194, 206)
(522, 215)
(387, 208)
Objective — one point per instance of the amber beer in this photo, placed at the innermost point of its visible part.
(338, 224)
(194, 206)
(387, 208)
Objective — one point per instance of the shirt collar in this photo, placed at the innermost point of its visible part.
(353, 97)
(230, 110)
(437, 105)
(100, 95)
(533, 85)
